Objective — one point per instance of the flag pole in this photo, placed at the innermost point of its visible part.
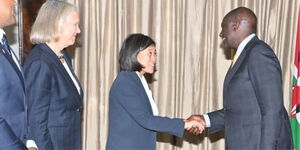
(20, 29)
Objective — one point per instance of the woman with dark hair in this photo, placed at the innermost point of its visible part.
(133, 114)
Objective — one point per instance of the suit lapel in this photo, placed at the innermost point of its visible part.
(68, 61)
(138, 81)
(231, 72)
(61, 69)
(13, 64)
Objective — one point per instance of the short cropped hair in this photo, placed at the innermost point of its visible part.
(47, 24)
(131, 46)
(244, 11)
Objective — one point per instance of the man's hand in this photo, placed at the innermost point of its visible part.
(195, 124)
(32, 148)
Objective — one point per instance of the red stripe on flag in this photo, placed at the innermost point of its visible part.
(296, 91)
(295, 124)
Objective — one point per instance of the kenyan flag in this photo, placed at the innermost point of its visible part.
(295, 120)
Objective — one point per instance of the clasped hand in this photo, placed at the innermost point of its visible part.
(195, 124)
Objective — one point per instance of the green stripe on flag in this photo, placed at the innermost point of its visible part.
(294, 81)
(296, 133)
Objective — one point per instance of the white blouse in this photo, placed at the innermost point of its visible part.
(149, 94)
(71, 75)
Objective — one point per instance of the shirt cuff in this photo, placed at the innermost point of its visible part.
(31, 143)
(207, 120)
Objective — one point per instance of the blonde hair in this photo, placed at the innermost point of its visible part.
(47, 24)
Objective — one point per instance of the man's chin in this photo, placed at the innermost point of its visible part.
(225, 46)
(9, 23)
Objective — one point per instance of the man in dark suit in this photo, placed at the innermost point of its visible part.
(253, 114)
(13, 125)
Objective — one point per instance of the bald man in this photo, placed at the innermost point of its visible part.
(253, 114)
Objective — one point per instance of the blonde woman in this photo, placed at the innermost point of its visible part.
(54, 92)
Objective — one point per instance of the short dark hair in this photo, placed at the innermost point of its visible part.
(131, 46)
(244, 11)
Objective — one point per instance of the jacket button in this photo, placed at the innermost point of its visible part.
(78, 109)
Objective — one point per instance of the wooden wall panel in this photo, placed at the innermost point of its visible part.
(30, 10)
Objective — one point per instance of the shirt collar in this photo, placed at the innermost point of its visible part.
(244, 43)
(1, 34)
(140, 76)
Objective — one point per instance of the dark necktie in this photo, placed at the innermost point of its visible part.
(5, 44)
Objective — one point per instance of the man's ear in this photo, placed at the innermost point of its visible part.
(236, 24)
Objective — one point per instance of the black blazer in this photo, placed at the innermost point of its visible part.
(254, 116)
(54, 104)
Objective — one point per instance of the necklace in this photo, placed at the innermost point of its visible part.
(61, 57)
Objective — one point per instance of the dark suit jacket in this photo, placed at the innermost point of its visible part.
(12, 104)
(54, 103)
(254, 116)
(131, 121)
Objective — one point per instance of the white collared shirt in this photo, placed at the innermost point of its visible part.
(15, 58)
(242, 45)
(71, 75)
(149, 94)
(1, 34)
(240, 49)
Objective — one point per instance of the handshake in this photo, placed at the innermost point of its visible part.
(195, 124)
